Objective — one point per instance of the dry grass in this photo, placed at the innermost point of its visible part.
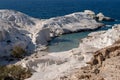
(18, 52)
(14, 73)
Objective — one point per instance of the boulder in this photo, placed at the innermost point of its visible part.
(101, 17)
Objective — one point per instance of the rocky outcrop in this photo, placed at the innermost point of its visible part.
(75, 22)
(90, 13)
(105, 48)
(18, 28)
(19, 18)
(43, 36)
(102, 39)
(68, 62)
(103, 66)
(101, 17)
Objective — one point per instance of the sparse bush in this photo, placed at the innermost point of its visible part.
(14, 73)
(18, 52)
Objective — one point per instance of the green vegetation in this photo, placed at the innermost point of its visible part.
(14, 73)
(18, 52)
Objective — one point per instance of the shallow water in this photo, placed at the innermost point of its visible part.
(69, 41)
(66, 42)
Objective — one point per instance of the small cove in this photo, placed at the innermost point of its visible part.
(45, 9)
(69, 41)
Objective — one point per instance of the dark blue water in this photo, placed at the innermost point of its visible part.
(51, 8)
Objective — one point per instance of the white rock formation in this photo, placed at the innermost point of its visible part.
(103, 38)
(72, 23)
(18, 29)
(19, 18)
(90, 13)
(101, 17)
(55, 65)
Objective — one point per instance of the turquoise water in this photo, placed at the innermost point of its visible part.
(45, 9)
(66, 42)
(69, 41)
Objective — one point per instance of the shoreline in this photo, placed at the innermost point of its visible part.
(67, 57)
(36, 32)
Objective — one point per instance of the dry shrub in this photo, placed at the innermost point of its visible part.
(18, 52)
(14, 73)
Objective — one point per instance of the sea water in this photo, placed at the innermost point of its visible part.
(45, 9)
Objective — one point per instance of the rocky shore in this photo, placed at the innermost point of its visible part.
(103, 66)
(55, 65)
(18, 29)
(30, 34)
